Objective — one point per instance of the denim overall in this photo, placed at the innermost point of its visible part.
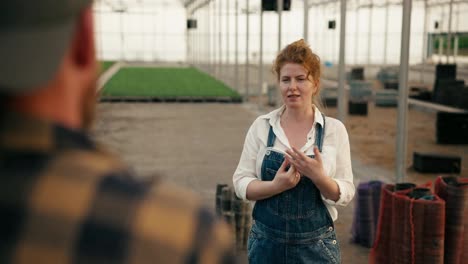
(293, 226)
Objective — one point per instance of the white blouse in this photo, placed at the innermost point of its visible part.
(336, 155)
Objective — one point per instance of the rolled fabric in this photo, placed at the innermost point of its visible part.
(362, 232)
(226, 198)
(376, 194)
(411, 226)
(401, 231)
(366, 213)
(455, 193)
(381, 252)
(419, 227)
(428, 229)
(218, 198)
(401, 236)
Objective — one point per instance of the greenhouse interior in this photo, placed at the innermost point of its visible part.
(185, 86)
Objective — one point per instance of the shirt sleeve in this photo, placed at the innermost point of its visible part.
(246, 169)
(344, 173)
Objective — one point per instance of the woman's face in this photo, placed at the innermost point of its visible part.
(296, 88)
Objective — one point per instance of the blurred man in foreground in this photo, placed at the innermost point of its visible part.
(63, 199)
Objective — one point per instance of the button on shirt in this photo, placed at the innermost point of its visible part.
(336, 155)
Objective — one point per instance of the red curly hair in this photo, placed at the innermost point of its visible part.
(299, 52)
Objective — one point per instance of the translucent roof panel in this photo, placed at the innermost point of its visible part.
(138, 6)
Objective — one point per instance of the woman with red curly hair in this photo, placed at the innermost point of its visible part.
(296, 166)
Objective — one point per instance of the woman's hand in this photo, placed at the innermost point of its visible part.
(286, 179)
(283, 181)
(312, 168)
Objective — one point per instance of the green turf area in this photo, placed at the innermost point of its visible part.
(105, 65)
(164, 83)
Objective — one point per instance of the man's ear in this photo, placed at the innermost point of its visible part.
(83, 49)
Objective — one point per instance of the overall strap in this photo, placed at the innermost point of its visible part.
(271, 138)
(320, 134)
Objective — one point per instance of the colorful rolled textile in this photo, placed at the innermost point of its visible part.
(455, 193)
(218, 198)
(381, 251)
(428, 227)
(366, 213)
(411, 227)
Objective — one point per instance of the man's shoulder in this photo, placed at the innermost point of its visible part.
(154, 220)
(109, 174)
(109, 179)
(96, 162)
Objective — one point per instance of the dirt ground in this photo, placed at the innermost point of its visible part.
(193, 145)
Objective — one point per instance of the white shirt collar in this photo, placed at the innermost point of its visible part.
(274, 115)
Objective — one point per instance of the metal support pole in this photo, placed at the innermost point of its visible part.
(430, 46)
(200, 38)
(425, 39)
(100, 36)
(403, 93)
(204, 43)
(198, 35)
(220, 36)
(333, 42)
(154, 52)
(196, 40)
(187, 44)
(323, 32)
(122, 56)
(424, 51)
(315, 30)
(385, 34)
(208, 37)
(193, 36)
(356, 35)
(227, 35)
(247, 11)
(342, 100)
(236, 56)
(280, 12)
(449, 35)
(455, 45)
(192, 56)
(306, 20)
(441, 47)
(369, 40)
(201, 33)
(260, 62)
(215, 51)
(336, 34)
(193, 43)
(441, 38)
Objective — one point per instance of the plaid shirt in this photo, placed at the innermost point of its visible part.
(64, 200)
